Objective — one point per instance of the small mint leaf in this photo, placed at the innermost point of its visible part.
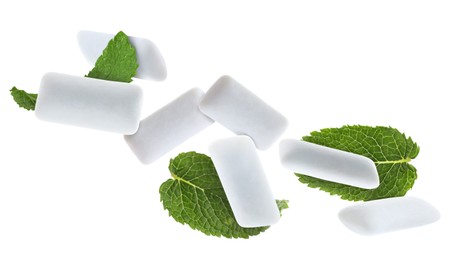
(118, 61)
(24, 99)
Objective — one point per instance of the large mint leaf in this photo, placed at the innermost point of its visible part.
(390, 150)
(196, 197)
(118, 61)
(24, 99)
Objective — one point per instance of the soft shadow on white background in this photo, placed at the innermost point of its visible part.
(71, 193)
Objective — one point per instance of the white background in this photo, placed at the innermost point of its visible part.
(71, 193)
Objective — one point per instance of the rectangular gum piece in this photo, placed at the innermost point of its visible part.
(168, 127)
(151, 63)
(244, 181)
(91, 103)
(235, 107)
(328, 164)
(387, 215)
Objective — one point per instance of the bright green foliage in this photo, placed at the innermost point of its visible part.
(196, 197)
(118, 61)
(24, 99)
(390, 150)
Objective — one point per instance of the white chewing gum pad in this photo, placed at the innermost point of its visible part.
(235, 107)
(244, 181)
(91, 103)
(328, 164)
(168, 127)
(386, 215)
(151, 64)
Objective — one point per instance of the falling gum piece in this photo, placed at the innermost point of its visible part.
(91, 103)
(244, 181)
(328, 164)
(235, 107)
(168, 127)
(387, 215)
(151, 63)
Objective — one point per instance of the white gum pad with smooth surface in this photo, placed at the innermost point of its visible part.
(328, 164)
(244, 181)
(169, 127)
(151, 63)
(387, 215)
(91, 103)
(235, 107)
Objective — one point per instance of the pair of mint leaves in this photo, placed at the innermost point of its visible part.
(194, 195)
(118, 62)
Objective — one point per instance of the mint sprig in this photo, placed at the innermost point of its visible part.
(195, 196)
(389, 149)
(118, 62)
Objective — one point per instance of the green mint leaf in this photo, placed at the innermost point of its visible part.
(24, 99)
(390, 150)
(282, 204)
(118, 61)
(196, 197)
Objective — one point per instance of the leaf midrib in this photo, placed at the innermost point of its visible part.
(403, 160)
(186, 181)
